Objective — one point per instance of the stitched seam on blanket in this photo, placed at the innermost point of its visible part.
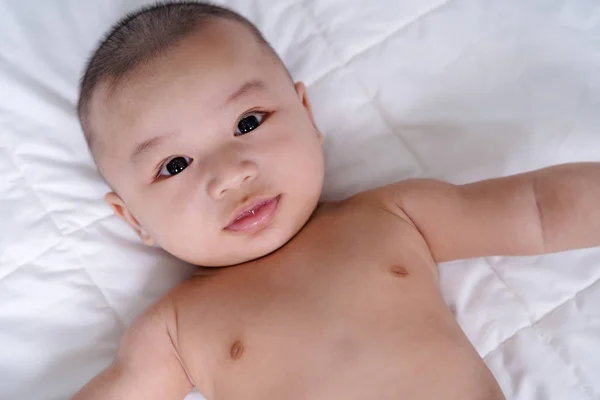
(532, 321)
(384, 117)
(557, 347)
(91, 278)
(53, 246)
(518, 299)
(24, 77)
(23, 176)
(378, 42)
(61, 228)
(533, 325)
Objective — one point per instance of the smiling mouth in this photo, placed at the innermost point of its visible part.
(255, 217)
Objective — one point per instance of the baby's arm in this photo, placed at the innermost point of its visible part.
(146, 366)
(544, 211)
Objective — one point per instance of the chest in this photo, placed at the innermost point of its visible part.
(347, 278)
(338, 259)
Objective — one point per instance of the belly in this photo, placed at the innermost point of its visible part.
(430, 365)
(370, 337)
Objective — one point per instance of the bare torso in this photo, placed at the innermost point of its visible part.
(349, 309)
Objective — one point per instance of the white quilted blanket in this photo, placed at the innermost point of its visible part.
(453, 89)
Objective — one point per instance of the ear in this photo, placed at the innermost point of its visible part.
(119, 208)
(303, 95)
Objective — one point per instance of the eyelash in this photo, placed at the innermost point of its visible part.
(160, 167)
(264, 113)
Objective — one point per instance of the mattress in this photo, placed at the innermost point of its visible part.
(459, 90)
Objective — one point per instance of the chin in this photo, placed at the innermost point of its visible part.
(236, 259)
(267, 247)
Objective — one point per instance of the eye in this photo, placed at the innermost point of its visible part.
(249, 122)
(174, 166)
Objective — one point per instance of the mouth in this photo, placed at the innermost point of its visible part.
(255, 217)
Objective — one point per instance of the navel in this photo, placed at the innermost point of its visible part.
(237, 350)
(399, 270)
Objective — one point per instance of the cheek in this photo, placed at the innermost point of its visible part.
(186, 234)
(299, 161)
(171, 214)
(294, 138)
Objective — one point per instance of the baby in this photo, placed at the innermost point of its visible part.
(213, 154)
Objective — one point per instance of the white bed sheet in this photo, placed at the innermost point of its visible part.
(457, 89)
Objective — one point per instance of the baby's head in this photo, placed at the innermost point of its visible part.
(209, 146)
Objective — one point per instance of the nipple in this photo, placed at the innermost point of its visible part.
(399, 270)
(237, 349)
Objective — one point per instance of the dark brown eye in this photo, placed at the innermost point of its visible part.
(249, 123)
(174, 166)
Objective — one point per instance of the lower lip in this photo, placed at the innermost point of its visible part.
(260, 219)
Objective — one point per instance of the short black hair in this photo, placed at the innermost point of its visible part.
(141, 36)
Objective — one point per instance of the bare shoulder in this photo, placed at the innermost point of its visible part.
(147, 364)
(156, 322)
(401, 238)
(397, 198)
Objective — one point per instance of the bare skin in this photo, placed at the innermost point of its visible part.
(339, 303)
(338, 313)
(351, 307)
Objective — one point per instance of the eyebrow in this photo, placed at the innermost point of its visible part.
(245, 89)
(146, 145)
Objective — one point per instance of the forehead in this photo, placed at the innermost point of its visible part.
(215, 54)
(199, 71)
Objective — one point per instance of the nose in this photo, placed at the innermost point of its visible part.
(231, 177)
